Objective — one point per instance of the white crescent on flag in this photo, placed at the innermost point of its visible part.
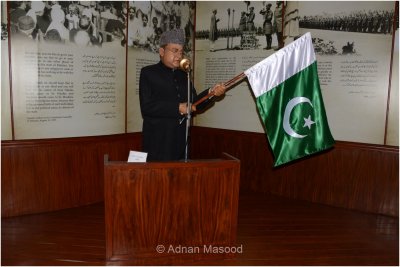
(286, 117)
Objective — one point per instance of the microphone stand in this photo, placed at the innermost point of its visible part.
(188, 115)
(184, 65)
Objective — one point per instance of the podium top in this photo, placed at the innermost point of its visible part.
(224, 157)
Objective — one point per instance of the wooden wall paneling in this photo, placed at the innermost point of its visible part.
(351, 175)
(209, 143)
(46, 175)
(346, 176)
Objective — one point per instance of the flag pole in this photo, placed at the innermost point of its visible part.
(229, 84)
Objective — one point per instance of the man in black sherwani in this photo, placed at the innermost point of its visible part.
(163, 101)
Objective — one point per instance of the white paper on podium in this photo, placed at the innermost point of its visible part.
(136, 156)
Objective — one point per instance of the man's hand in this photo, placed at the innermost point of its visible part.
(183, 108)
(218, 89)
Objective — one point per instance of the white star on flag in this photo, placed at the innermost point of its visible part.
(308, 122)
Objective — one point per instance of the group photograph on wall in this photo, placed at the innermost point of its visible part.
(241, 25)
(81, 23)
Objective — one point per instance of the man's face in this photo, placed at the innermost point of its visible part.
(171, 55)
(172, 24)
(39, 13)
(132, 13)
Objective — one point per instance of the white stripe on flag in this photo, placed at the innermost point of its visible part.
(281, 65)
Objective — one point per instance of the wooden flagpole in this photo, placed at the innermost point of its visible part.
(229, 84)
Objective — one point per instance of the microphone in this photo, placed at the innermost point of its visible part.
(185, 64)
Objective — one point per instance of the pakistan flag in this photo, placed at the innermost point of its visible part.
(289, 100)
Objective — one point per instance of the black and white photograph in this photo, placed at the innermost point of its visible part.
(149, 19)
(80, 23)
(241, 25)
(348, 28)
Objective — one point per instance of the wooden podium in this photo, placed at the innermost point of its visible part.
(170, 212)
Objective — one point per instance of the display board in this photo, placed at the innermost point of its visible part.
(67, 84)
(353, 44)
(353, 60)
(6, 127)
(392, 137)
(68, 80)
(236, 49)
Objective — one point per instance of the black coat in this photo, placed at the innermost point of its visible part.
(161, 89)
